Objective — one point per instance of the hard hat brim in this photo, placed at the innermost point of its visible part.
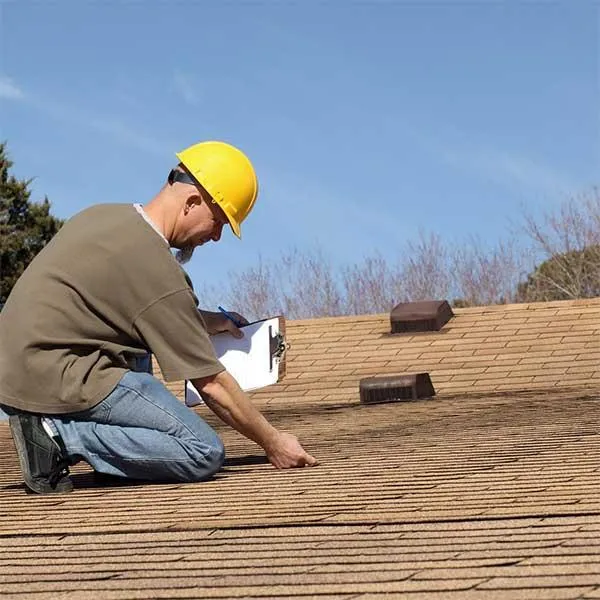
(232, 222)
(234, 226)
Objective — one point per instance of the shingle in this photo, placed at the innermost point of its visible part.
(479, 493)
(543, 581)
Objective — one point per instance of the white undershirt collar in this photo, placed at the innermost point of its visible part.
(148, 220)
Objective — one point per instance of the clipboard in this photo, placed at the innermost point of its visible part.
(255, 361)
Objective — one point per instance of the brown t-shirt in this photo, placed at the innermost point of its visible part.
(105, 290)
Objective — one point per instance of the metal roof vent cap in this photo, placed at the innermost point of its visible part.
(394, 388)
(427, 315)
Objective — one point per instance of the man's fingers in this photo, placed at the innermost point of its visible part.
(233, 329)
(288, 453)
(240, 318)
(310, 461)
(300, 462)
(235, 332)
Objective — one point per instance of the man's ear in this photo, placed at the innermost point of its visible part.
(191, 201)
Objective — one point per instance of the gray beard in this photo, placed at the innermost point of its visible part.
(183, 255)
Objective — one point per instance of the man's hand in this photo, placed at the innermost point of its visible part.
(217, 322)
(223, 395)
(285, 452)
(225, 324)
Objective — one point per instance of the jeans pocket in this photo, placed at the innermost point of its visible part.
(101, 412)
(97, 414)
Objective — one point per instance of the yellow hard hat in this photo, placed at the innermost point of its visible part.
(227, 174)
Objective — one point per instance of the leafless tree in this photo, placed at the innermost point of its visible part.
(253, 292)
(299, 284)
(304, 283)
(369, 286)
(568, 241)
(426, 270)
(487, 275)
(308, 285)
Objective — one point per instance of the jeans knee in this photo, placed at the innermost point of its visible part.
(217, 456)
(208, 459)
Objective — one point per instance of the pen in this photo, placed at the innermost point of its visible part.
(230, 317)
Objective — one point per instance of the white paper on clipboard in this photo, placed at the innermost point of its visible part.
(254, 361)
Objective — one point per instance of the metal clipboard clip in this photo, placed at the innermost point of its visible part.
(277, 347)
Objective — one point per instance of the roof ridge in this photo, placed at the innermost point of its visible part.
(514, 306)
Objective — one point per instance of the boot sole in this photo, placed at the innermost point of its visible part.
(34, 485)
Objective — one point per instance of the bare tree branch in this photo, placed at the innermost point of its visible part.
(303, 283)
(569, 242)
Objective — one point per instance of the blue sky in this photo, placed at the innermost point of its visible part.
(366, 121)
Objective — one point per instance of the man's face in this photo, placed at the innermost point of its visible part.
(204, 222)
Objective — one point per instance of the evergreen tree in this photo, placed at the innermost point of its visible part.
(567, 276)
(25, 226)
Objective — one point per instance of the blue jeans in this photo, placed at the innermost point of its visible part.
(142, 431)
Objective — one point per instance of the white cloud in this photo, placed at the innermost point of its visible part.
(511, 169)
(125, 134)
(110, 125)
(503, 167)
(184, 86)
(9, 90)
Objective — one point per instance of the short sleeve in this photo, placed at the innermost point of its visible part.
(175, 332)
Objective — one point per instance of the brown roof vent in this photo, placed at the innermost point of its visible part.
(393, 388)
(428, 315)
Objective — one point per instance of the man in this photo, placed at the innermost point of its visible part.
(78, 327)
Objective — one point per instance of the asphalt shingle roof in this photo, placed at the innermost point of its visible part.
(488, 490)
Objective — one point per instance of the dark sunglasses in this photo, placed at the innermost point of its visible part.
(181, 177)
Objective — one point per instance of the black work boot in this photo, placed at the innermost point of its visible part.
(44, 461)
